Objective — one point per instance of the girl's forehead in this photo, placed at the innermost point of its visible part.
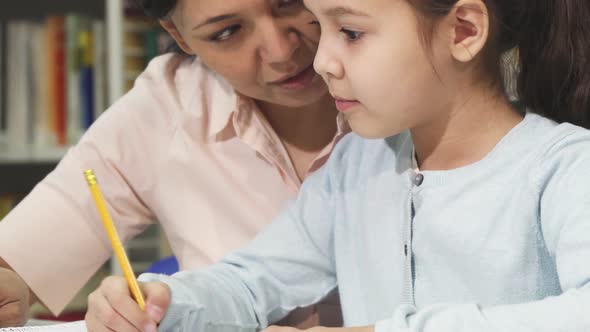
(343, 7)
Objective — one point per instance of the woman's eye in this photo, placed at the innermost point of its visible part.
(351, 35)
(287, 3)
(224, 34)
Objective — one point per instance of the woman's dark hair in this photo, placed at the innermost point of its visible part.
(158, 9)
(552, 41)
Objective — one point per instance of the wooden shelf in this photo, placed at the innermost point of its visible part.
(22, 169)
(21, 177)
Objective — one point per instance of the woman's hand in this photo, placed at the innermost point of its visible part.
(14, 299)
(112, 308)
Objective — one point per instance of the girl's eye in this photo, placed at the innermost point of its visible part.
(351, 35)
(224, 34)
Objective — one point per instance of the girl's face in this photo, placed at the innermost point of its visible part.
(372, 57)
(263, 48)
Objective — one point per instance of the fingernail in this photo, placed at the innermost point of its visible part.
(150, 328)
(154, 312)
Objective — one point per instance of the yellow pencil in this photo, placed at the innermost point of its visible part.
(114, 237)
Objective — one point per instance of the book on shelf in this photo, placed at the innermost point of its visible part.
(99, 56)
(73, 24)
(34, 82)
(53, 83)
(57, 77)
(143, 39)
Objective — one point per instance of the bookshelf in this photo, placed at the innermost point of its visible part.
(21, 168)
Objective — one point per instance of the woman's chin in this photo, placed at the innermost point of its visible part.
(302, 98)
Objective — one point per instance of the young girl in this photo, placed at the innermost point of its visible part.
(470, 216)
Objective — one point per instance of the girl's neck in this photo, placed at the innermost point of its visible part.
(309, 128)
(466, 133)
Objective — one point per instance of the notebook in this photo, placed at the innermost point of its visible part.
(79, 326)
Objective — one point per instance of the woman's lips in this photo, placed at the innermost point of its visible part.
(299, 81)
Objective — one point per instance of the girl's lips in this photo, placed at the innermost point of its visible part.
(345, 105)
(299, 81)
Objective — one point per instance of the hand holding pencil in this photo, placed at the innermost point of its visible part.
(110, 307)
(114, 238)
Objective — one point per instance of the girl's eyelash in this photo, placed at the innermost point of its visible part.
(224, 34)
(351, 35)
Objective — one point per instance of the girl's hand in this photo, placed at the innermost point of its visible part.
(112, 308)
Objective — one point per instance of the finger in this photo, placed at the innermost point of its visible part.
(106, 316)
(157, 299)
(116, 292)
(94, 325)
(12, 314)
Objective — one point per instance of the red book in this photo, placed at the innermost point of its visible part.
(56, 31)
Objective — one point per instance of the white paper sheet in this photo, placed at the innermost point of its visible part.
(79, 326)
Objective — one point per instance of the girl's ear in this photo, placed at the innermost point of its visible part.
(470, 29)
(171, 28)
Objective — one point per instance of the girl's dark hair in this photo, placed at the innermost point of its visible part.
(552, 41)
(158, 9)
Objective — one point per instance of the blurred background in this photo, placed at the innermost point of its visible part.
(62, 63)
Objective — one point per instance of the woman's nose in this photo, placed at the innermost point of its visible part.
(278, 43)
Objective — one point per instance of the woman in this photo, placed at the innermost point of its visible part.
(210, 145)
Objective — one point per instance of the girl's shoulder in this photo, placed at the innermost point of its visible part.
(554, 142)
(560, 151)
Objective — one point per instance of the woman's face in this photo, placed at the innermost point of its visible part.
(264, 48)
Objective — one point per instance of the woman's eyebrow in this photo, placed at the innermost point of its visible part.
(215, 19)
